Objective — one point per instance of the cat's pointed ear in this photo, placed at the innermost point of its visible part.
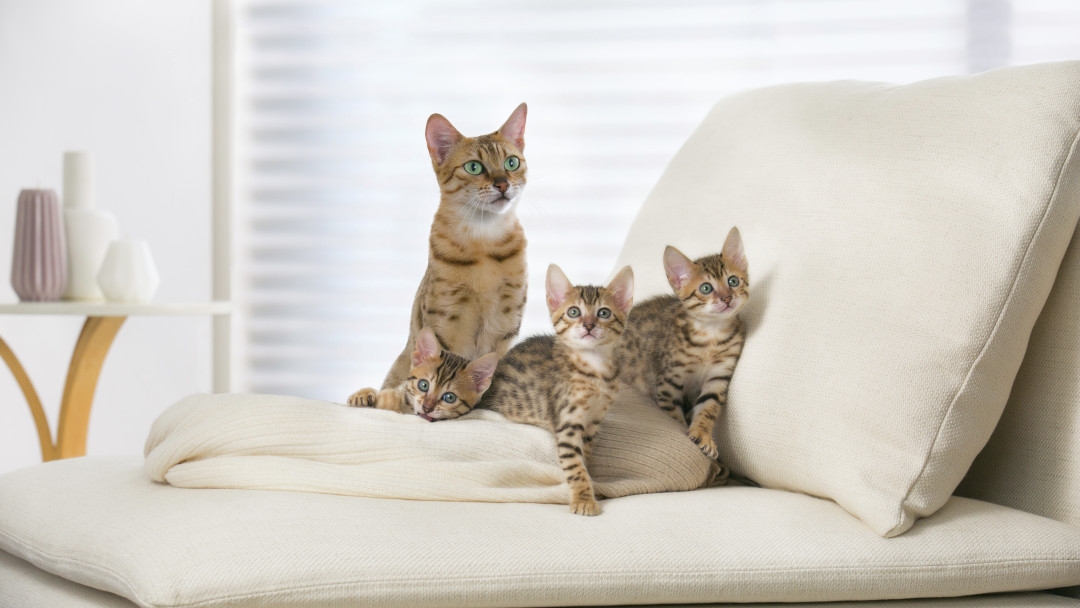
(558, 287)
(441, 137)
(480, 371)
(427, 346)
(733, 252)
(622, 289)
(514, 127)
(678, 267)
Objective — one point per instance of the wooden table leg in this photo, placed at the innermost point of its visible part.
(94, 342)
(48, 450)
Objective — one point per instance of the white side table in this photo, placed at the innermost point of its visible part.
(103, 320)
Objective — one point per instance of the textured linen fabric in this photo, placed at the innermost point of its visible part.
(901, 242)
(1032, 461)
(24, 585)
(159, 545)
(273, 442)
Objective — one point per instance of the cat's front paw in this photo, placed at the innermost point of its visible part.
(588, 507)
(704, 441)
(364, 397)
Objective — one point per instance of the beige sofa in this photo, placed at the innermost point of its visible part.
(907, 400)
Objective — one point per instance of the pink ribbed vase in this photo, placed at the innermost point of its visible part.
(39, 262)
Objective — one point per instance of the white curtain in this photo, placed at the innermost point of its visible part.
(336, 187)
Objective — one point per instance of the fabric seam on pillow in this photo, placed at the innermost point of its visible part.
(28, 548)
(1070, 151)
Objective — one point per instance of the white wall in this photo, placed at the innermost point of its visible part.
(128, 80)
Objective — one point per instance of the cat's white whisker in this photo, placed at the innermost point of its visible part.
(466, 219)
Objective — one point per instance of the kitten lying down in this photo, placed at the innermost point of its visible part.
(440, 384)
(565, 383)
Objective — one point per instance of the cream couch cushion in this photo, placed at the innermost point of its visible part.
(902, 241)
(25, 586)
(164, 546)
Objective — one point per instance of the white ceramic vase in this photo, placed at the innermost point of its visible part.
(88, 230)
(128, 273)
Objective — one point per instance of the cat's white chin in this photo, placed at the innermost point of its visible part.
(488, 222)
(500, 205)
(589, 337)
(716, 319)
(432, 416)
(590, 341)
(488, 214)
(724, 310)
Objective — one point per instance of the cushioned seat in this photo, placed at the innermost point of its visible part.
(159, 545)
(26, 585)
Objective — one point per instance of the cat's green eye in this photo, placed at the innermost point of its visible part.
(512, 163)
(473, 167)
(706, 288)
(733, 281)
(423, 386)
(449, 397)
(603, 313)
(573, 312)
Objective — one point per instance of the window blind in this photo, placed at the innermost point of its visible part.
(337, 187)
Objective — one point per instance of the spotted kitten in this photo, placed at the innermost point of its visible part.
(682, 349)
(566, 382)
(472, 295)
(440, 385)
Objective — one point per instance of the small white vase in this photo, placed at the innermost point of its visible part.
(128, 273)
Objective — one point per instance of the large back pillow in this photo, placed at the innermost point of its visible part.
(902, 241)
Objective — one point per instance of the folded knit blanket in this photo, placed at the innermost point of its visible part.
(272, 442)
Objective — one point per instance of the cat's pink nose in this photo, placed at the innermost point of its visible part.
(726, 299)
(588, 326)
(502, 185)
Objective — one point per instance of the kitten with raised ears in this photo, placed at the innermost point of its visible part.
(566, 382)
(681, 349)
(472, 295)
(440, 384)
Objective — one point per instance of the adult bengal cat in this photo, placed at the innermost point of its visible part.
(472, 295)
